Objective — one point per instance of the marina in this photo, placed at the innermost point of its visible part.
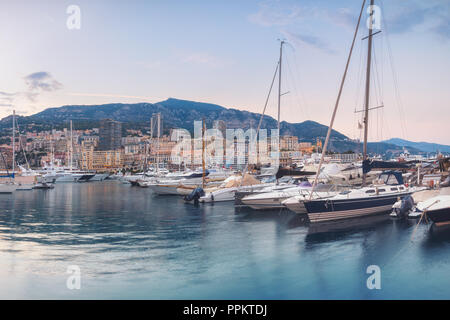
(318, 178)
(131, 243)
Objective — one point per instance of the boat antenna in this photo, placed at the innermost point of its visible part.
(330, 128)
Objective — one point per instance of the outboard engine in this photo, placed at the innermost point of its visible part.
(402, 207)
(195, 195)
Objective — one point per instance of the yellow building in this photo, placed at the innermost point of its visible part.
(288, 143)
(101, 160)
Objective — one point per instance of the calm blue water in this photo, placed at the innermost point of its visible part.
(129, 243)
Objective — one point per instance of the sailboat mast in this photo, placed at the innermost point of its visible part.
(14, 143)
(159, 133)
(279, 88)
(71, 146)
(53, 152)
(367, 94)
(203, 152)
(151, 142)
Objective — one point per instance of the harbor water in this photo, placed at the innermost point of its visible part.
(128, 243)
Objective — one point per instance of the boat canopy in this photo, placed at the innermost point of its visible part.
(368, 165)
(391, 177)
(292, 172)
(236, 181)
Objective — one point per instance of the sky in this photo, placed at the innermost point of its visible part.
(225, 52)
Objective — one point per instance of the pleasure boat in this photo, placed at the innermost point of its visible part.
(227, 190)
(169, 186)
(375, 199)
(275, 199)
(268, 184)
(6, 188)
(437, 209)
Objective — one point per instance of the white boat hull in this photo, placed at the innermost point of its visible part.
(7, 188)
(164, 189)
(295, 205)
(227, 194)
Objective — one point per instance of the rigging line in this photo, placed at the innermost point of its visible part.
(21, 146)
(261, 118)
(359, 81)
(395, 80)
(377, 79)
(324, 149)
(360, 74)
(294, 85)
(305, 101)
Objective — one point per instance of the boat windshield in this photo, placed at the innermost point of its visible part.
(391, 178)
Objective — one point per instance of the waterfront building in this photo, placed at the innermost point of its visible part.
(101, 160)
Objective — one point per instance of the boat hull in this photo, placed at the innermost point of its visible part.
(440, 216)
(330, 210)
(296, 206)
(164, 189)
(265, 204)
(227, 194)
(7, 188)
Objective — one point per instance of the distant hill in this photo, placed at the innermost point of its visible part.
(423, 146)
(182, 114)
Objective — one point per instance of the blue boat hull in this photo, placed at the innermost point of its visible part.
(329, 210)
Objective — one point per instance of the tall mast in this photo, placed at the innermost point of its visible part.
(53, 151)
(14, 143)
(367, 94)
(159, 133)
(279, 89)
(71, 146)
(203, 152)
(151, 139)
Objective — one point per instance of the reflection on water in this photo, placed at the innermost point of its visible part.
(130, 243)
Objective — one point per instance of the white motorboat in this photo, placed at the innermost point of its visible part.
(7, 188)
(227, 190)
(274, 198)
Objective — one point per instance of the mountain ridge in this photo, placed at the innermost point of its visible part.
(421, 145)
(177, 113)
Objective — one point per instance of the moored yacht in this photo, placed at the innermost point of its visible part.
(437, 209)
(365, 201)
(272, 197)
(7, 188)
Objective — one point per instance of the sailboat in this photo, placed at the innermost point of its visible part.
(7, 186)
(368, 200)
(69, 174)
